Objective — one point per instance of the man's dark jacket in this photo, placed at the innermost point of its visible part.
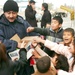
(30, 16)
(46, 18)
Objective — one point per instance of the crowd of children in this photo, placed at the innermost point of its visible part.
(60, 43)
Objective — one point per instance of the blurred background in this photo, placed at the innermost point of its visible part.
(64, 8)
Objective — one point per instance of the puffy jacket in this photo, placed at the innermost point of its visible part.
(50, 34)
(8, 30)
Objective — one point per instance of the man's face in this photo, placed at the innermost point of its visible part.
(11, 15)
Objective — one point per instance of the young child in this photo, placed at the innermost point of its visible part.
(68, 36)
(68, 51)
(44, 66)
(62, 63)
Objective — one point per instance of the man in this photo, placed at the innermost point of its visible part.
(10, 24)
(46, 18)
(30, 13)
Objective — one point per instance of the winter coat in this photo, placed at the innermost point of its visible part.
(13, 66)
(46, 18)
(30, 16)
(8, 30)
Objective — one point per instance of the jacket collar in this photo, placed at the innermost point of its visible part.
(57, 31)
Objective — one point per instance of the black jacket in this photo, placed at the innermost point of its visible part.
(50, 34)
(13, 66)
(46, 18)
(30, 16)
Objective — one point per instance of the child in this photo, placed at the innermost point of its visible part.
(62, 63)
(44, 67)
(68, 51)
(68, 36)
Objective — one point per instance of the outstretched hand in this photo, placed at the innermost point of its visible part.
(38, 40)
(30, 29)
(23, 44)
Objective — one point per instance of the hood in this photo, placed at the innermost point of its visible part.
(4, 21)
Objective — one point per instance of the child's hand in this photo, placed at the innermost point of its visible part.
(30, 29)
(37, 40)
(23, 44)
(36, 55)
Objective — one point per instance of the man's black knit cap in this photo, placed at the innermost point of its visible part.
(10, 5)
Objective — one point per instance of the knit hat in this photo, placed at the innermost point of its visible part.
(43, 64)
(10, 5)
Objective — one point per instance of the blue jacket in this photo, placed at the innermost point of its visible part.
(8, 30)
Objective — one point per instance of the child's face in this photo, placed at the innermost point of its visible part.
(54, 60)
(55, 25)
(67, 37)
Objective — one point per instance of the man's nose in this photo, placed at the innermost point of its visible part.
(11, 15)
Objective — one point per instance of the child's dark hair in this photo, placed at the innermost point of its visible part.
(71, 30)
(62, 63)
(59, 19)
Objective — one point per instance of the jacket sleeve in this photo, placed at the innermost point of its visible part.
(26, 25)
(22, 60)
(42, 31)
(66, 73)
(10, 44)
(30, 14)
(58, 48)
